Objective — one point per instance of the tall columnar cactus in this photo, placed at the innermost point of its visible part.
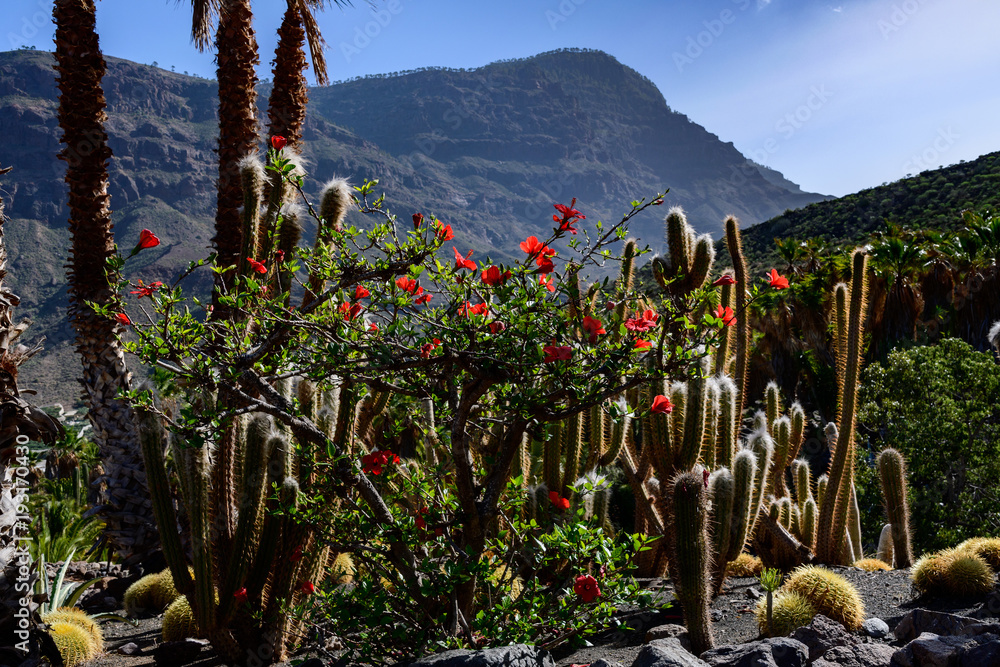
(834, 512)
(692, 558)
(892, 473)
(689, 259)
(734, 243)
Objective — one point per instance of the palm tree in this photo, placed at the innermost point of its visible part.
(287, 104)
(125, 504)
(896, 257)
(236, 59)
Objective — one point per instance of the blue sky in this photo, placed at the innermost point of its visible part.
(839, 95)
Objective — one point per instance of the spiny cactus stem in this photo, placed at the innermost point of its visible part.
(691, 551)
(734, 243)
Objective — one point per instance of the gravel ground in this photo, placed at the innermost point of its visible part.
(887, 595)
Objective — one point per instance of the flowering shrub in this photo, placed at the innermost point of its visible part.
(496, 356)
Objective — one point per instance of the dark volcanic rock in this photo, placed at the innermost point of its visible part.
(517, 655)
(775, 652)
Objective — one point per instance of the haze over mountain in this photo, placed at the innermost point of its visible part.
(487, 150)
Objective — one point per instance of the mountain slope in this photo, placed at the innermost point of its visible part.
(487, 150)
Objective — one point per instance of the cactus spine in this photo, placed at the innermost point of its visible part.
(691, 555)
(734, 243)
(834, 512)
(892, 473)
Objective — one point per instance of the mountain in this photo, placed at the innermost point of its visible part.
(487, 150)
(933, 199)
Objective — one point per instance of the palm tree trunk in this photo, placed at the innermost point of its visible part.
(124, 499)
(237, 58)
(287, 105)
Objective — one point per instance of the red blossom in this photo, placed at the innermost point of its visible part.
(296, 555)
(421, 524)
(533, 246)
(776, 281)
(372, 463)
(123, 319)
(592, 328)
(308, 588)
(497, 327)
(423, 298)
(147, 239)
(569, 217)
(642, 322)
(557, 353)
(443, 232)
(545, 264)
(468, 309)
(257, 266)
(725, 279)
(548, 281)
(641, 344)
(278, 142)
(279, 256)
(704, 476)
(373, 327)
(350, 310)
(493, 277)
(661, 405)
(147, 290)
(406, 283)
(427, 348)
(725, 313)
(240, 596)
(586, 587)
(558, 501)
(463, 262)
(418, 219)
(361, 292)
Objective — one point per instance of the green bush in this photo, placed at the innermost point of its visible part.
(939, 406)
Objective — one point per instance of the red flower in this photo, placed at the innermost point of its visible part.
(641, 344)
(559, 502)
(592, 327)
(418, 219)
(406, 283)
(240, 596)
(422, 299)
(308, 588)
(361, 292)
(557, 353)
(123, 319)
(586, 588)
(725, 279)
(642, 321)
(478, 309)
(147, 239)
(661, 405)
(278, 142)
(147, 290)
(444, 232)
(257, 266)
(421, 524)
(726, 315)
(776, 281)
(548, 281)
(373, 327)
(372, 463)
(296, 555)
(463, 262)
(569, 217)
(279, 256)
(545, 264)
(704, 476)
(497, 327)
(427, 348)
(533, 246)
(350, 310)
(493, 277)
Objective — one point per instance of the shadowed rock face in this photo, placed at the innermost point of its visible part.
(487, 150)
